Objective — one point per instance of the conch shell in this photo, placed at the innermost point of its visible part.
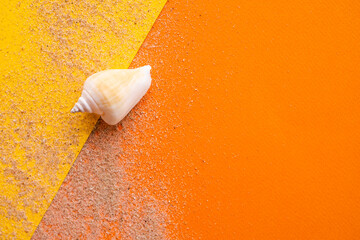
(113, 93)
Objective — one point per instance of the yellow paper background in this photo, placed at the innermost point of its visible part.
(47, 50)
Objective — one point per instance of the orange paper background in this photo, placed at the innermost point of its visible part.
(251, 125)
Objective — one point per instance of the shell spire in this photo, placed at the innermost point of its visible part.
(75, 109)
(113, 93)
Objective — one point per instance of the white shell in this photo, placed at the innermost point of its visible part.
(113, 93)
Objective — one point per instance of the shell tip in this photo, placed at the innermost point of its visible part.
(74, 109)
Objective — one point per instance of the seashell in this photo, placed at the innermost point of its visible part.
(113, 93)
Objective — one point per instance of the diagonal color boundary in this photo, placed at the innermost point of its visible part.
(48, 50)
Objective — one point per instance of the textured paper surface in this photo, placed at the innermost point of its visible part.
(250, 130)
